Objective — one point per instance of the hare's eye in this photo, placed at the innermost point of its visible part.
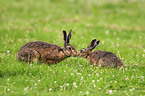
(82, 50)
(69, 48)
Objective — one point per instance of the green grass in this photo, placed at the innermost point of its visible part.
(119, 24)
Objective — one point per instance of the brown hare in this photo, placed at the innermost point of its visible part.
(39, 51)
(99, 57)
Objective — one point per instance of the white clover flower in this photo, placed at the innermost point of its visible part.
(127, 78)
(55, 81)
(143, 55)
(125, 69)
(113, 76)
(80, 91)
(50, 89)
(87, 92)
(94, 85)
(99, 88)
(35, 84)
(78, 73)
(71, 73)
(76, 86)
(103, 42)
(93, 81)
(74, 83)
(25, 89)
(8, 89)
(110, 91)
(60, 86)
(98, 80)
(97, 74)
(117, 45)
(107, 32)
(38, 80)
(8, 51)
(67, 84)
(115, 81)
(89, 75)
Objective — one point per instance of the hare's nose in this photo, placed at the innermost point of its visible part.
(77, 54)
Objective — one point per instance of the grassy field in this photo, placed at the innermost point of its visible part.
(118, 24)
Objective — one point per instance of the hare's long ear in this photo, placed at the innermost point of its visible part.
(65, 38)
(96, 44)
(69, 36)
(92, 43)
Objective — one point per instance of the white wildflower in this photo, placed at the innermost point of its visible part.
(110, 91)
(87, 92)
(8, 51)
(94, 85)
(74, 83)
(127, 78)
(67, 84)
(93, 81)
(103, 42)
(97, 74)
(50, 89)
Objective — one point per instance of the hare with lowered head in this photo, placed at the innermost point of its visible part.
(99, 57)
(45, 52)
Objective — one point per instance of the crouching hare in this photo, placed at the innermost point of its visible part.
(39, 51)
(99, 57)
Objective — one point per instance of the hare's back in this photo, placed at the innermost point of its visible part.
(105, 54)
(39, 45)
(108, 57)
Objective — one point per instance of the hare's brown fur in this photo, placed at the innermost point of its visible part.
(104, 59)
(99, 57)
(40, 51)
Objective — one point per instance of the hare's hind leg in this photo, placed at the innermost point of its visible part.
(33, 56)
(28, 55)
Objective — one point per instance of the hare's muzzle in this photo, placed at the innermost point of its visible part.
(75, 53)
(78, 54)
